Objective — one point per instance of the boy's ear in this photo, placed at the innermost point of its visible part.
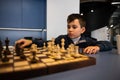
(83, 29)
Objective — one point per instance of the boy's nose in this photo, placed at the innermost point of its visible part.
(70, 29)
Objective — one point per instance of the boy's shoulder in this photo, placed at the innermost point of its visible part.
(88, 38)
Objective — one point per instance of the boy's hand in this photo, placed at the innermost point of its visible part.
(23, 42)
(91, 49)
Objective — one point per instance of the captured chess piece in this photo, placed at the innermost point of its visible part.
(7, 46)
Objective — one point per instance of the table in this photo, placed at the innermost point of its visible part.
(107, 68)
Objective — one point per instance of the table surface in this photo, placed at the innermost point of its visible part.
(107, 68)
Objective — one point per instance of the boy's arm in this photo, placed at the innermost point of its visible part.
(104, 45)
(38, 42)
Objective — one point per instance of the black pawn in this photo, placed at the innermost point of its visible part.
(5, 58)
(22, 56)
(34, 60)
(17, 49)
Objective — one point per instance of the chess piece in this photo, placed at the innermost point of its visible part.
(77, 52)
(34, 51)
(1, 49)
(53, 41)
(72, 48)
(57, 48)
(5, 58)
(62, 45)
(44, 46)
(22, 56)
(6, 51)
(19, 51)
(49, 46)
(34, 60)
(76, 49)
(7, 46)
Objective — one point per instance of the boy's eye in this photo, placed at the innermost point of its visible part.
(74, 27)
(68, 27)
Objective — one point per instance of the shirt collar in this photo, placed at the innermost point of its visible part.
(75, 40)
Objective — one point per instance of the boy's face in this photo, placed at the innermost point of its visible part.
(74, 29)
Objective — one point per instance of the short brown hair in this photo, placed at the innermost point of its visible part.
(72, 17)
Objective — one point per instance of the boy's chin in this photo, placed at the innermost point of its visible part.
(73, 37)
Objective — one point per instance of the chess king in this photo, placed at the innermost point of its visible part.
(75, 29)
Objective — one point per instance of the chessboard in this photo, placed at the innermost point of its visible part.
(38, 61)
(17, 68)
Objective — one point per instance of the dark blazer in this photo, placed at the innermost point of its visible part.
(82, 43)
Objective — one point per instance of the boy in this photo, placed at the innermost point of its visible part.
(75, 29)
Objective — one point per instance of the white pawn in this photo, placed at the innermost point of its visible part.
(77, 52)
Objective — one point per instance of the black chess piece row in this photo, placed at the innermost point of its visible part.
(19, 52)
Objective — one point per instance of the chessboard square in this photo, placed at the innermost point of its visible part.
(68, 58)
(16, 57)
(38, 52)
(6, 63)
(26, 51)
(47, 60)
(22, 68)
(11, 61)
(10, 56)
(45, 52)
(21, 63)
(41, 55)
(27, 54)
